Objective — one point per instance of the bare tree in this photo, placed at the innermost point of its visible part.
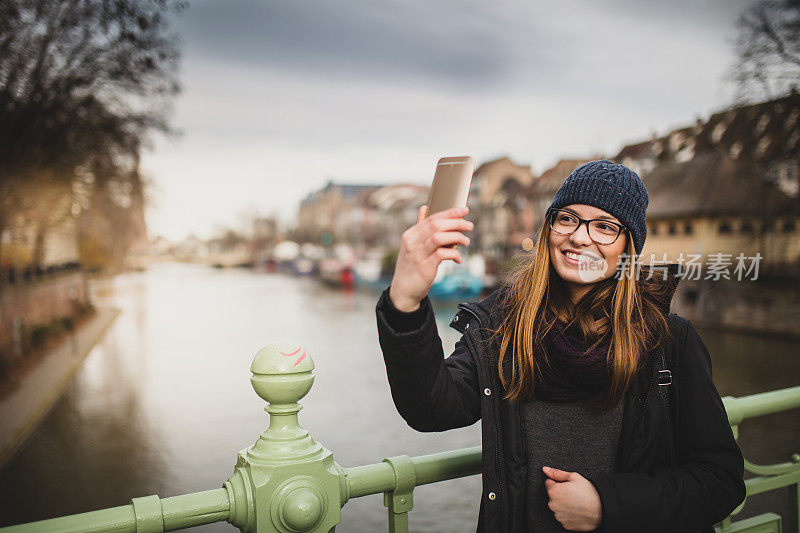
(82, 83)
(768, 50)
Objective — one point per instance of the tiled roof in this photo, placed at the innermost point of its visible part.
(552, 178)
(762, 131)
(484, 166)
(635, 151)
(724, 165)
(713, 184)
(347, 190)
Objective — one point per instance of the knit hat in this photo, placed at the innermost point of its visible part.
(612, 188)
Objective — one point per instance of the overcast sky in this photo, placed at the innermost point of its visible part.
(281, 96)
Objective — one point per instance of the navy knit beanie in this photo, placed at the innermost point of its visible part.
(612, 188)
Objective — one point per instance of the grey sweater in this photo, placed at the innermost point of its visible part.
(570, 436)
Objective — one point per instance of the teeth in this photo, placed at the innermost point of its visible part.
(580, 257)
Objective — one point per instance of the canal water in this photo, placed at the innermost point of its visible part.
(163, 403)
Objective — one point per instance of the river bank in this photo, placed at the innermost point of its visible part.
(767, 306)
(38, 390)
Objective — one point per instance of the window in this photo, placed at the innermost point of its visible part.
(791, 120)
(718, 132)
(676, 140)
(687, 152)
(724, 227)
(746, 227)
(688, 229)
(653, 229)
(763, 144)
(791, 142)
(763, 120)
(672, 229)
(788, 225)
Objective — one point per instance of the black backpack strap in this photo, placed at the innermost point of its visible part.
(664, 384)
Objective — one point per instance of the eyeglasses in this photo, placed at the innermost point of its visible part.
(601, 231)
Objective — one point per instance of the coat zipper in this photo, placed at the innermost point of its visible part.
(643, 408)
(497, 468)
(496, 413)
(653, 381)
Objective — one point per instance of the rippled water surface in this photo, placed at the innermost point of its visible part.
(163, 403)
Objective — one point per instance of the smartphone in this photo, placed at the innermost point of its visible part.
(450, 187)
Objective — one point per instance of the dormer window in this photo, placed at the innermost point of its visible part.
(761, 125)
(676, 141)
(786, 176)
(735, 150)
(687, 152)
(718, 132)
(658, 147)
(791, 142)
(763, 144)
(791, 120)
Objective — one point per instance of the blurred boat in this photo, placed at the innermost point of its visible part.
(457, 285)
(336, 273)
(368, 273)
(459, 282)
(302, 266)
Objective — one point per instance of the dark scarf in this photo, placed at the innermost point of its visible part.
(572, 371)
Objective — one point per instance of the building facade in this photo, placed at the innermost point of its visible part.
(728, 185)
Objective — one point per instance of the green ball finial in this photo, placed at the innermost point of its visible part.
(282, 372)
(302, 509)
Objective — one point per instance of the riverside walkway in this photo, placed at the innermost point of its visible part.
(287, 482)
(23, 408)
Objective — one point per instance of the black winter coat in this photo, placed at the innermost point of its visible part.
(644, 494)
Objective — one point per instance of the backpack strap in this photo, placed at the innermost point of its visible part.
(665, 387)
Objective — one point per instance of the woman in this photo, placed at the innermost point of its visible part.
(563, 367)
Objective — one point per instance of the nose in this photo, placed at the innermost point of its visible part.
(581, 235)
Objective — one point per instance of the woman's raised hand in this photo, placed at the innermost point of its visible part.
(425, 245)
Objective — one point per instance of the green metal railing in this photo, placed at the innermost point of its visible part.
(286, 482)
(769, 477)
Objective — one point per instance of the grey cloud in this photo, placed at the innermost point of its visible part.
(437, 41)
(465, 43)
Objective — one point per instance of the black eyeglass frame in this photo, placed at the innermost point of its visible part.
(551, 212)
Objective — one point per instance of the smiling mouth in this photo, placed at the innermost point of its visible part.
(580, 257)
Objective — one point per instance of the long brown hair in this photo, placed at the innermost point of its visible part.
(621, 310)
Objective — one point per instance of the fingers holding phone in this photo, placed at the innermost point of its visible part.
(436, 234)
(443, 231)
(423, 247)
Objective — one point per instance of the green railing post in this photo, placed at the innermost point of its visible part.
(769, 477)
(286, 481)
(400, 500)
(794, 505)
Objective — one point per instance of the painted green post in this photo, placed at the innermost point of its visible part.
(794, 500)
(286, 481)
(400, 500)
